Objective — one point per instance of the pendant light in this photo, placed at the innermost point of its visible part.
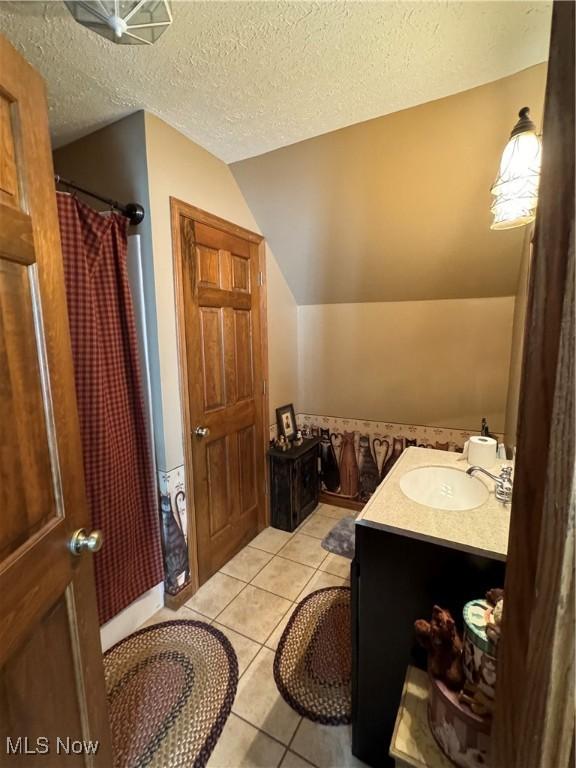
(516, 188)
(134, 22)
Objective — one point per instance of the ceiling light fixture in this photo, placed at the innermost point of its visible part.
(135, 22)
(516, 188)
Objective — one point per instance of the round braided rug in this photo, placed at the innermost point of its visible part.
(313, 662)
(170, 690)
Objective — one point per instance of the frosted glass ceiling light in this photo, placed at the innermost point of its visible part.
(134, 22)
(516, 188)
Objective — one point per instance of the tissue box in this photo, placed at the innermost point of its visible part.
(479, 657)
(463, 736)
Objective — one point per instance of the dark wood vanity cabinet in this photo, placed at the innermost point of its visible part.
(294, 484)
(396, 580)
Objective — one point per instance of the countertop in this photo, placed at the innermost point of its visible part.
(480, 531)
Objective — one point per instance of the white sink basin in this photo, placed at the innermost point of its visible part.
(443, 488)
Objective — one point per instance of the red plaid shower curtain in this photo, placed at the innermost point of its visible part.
(119, 477)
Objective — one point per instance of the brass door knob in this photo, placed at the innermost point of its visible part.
(81, 541)
(201, 432)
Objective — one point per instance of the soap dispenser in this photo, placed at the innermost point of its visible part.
(485, 430)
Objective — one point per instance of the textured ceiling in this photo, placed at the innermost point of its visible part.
(396, 208)
(243, 78)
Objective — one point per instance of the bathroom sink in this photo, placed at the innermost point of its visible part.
(443, 488)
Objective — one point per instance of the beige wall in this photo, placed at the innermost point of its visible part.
(400, 361)
(396, 208)
(110, 161)
(177, 167)
(282, 339)
(443, 363)
(517, 347)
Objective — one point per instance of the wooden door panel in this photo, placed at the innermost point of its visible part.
(227, 359)
(214, 297)
(212, 358)
(16, 236)
(25, 597)
(219, 295)
(51, 673)
(24, 449)
(218, 520)
(225, 258)
(219, 239)
(218, 478)
(247, 469)
(230, 356)
(240, 274)
(33, 702)
(237, 417)
(9, 193)
(244, 358)
(208, 266)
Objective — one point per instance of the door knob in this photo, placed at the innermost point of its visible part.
(201, 432)
(81, 541)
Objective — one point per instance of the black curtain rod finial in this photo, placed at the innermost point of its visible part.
(135, 213)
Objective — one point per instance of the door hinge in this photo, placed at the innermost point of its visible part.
(260, 278)
(263, 386)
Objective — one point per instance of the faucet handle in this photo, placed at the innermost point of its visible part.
(504, 487)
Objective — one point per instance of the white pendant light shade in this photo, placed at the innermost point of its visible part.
(134, 22)
(516, 188)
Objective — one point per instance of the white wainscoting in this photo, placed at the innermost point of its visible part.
(132, 617)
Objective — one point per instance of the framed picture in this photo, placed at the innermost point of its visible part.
(286, 421)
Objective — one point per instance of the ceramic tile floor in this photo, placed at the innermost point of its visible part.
(250, 600)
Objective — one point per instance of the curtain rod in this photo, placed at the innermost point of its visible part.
(134, 212)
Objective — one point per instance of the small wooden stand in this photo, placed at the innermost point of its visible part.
(294, 484)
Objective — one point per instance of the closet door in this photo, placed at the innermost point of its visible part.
(51, 673)
(221, 321)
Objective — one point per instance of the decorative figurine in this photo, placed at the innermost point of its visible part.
(462, 679)
(329, 472)
(298, 440)
(349, 473)
(367, 468)
(495, 597)
(440, 638)
(281, 443)
(174, 546)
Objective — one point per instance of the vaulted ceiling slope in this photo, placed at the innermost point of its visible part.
(242, 78)
(396, 208)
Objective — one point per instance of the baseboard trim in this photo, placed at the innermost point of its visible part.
(132, 617)
(339, 501)
(177, 601)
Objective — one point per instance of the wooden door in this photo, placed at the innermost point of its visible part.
(51, 674)
(534, 709)
(221, 318)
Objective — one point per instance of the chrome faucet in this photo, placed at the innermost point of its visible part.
(503, 491)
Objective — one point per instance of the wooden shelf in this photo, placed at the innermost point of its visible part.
(413, 745)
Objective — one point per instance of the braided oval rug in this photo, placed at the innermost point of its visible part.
(170, 690)
(313, 662)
